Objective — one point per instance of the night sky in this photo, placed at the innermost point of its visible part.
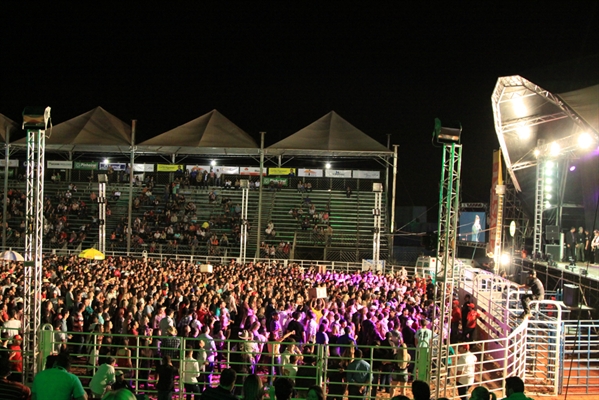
(386, 69)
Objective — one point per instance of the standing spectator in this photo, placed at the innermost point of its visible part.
(253, 388)
(581, 244)
(58, 383)
(358, 376)
(169, 346)
(11, 390)
(13, 325)
(471, 321)
(225, 388)
(456, 317)
(421, 390)
(210, 352)
(423, 341)
(166, 379)
(466, 369)
(190, 372)
(514, 389)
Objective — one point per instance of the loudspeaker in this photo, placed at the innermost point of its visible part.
(554, 250)
(551, 233)
(571, 295)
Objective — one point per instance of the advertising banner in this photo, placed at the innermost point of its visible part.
(266, 181)
(11, 173)
(366, 174)
(281, 171)
(253, 171)
(227, 170)
(497, 179)
(143, 168)
(168, 167)
(86, 165)
(60, 164)
(317, 173)
(115, 166)
(11, 163)
(200, 168)
(338, 173)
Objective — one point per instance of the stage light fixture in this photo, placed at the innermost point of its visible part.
(106, 161)
(213, 163)
(523, 132)
(520, 108)
(554, 149)
(549, 181)
(548, 188)
(328, 165)
(573, 168)
(536, 153)
(505, 259)
(548, 196)
(547, 205)
(585, 140)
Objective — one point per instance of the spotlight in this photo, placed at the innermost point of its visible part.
(573, 168)
(523, 132)
(549, 181)
(505, 259)
(549, 164)
(213, 163)
(547, 205)
(519, 108)
(106, 161)
(548, 196)
(554, 149)
(328, 165)
(537, 153)
(585, 140)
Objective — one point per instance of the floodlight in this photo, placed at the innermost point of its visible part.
(328, 165)
(549, 180)
(213, 163)
(106, 161)
(536, 153)
(547, 205)
(549, 164)
(523, 132)
(36, 117)
(548, 188)
(585, 140)
(505, 259)
(554, 149)
(573, 168)
(548, 196)
(443, 134)
(520, 108)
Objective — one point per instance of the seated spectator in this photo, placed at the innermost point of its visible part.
(225, 388)
(116, 195)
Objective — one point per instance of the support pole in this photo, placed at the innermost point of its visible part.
(102, 213)
(394, 189)
(244, 218)
(376, 237)
(5, 199)
(131, 169)
(259, 227)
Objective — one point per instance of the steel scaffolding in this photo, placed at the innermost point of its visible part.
(444, 271)
(245, 194)
(539, 195)
(33, 121)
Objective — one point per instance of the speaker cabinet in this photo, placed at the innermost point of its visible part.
(551, 233)
(555, 251)
(571, 295)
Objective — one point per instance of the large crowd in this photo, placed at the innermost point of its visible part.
(371, 331)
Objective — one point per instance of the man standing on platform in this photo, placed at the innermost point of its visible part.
(581, 242)
(571, 241)
(595, 246)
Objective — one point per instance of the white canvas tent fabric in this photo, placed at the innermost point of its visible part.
(7, 123)
(94, 131)
(331, 135)
(212, 133)
(585, 102)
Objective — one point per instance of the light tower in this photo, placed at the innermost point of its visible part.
(35, 122)
(449, 138)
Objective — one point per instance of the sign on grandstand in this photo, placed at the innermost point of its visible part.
(168, 167)
(281, 171)
(86, 165)
(252, 171)
(369, 265)
(143, 167)
(318, 173)
(115, 166)
(228, 170)
(60, 164)
(11, 163)
(338, 173)
(366, 174)
(275, 180)
(200, 168)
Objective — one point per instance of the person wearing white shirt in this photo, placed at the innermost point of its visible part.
(190, 371)
(103, 378)
(466, 370)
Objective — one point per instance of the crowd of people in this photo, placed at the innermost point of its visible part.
(266, 318)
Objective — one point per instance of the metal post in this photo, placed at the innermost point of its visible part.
(392, 230)
(131, 168)
(259, 227)
(102, 215)
(376, 237)
(5, 199)
(244, 227)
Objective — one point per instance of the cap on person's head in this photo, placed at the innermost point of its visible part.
(456, 302)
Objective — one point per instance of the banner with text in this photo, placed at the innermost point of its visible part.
(199, 168)
(253, 171)
(60, 164)
(267, 181)
(317, 173)
(168, 167)
(366, 174)
(338, 173)
(227, 170)
(11, 163)
(86, 165)
(281, 171)
(115, 166)
(143, 168)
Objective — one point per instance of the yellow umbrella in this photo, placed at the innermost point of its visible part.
(92, 254)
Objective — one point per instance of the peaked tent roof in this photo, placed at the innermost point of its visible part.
(212, 133)
(331, 135)
(7, 123)
(585, 102)
(94, 131)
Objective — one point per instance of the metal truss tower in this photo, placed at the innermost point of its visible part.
(539, 206)
(245, 194)
(376, 237)
(514, 211)
(444, 271)
(35, 121)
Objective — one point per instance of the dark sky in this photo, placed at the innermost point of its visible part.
(386, 69)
